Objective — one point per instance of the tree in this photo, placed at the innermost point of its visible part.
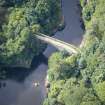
(74, 93)
(61, 67)
(100, 90)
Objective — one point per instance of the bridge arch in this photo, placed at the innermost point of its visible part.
(60, 45)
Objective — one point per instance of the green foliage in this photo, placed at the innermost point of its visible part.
(23, 19)
(83, 3)
(56, 87)
(50, 101)
(43, 9)
(63, 67)
(84, 74)
(90, 99)
(47, 15)
(100, 90)
(82, 63)
(88, 9)
(79, 96)
(55, 58)
(70, 92)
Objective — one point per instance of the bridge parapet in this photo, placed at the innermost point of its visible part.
(58, 43)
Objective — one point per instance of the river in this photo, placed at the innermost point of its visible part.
(23, 92)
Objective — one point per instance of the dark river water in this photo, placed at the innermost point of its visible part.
(19, 92)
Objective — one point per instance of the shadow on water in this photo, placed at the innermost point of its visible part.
(37, 60)
(82, 25)
(20, 73)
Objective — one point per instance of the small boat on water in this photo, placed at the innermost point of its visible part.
(36, 84)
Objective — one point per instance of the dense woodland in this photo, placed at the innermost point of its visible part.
(19, 20)
(74, 80)
(80, 79)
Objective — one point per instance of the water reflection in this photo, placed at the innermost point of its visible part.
(9, 94)
(21, 91)
(37, 60)
(20, 73)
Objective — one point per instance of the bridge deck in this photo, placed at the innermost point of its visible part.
(58, 43)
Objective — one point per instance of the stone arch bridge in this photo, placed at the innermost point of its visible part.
(60, 45)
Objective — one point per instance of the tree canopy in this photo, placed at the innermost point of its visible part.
(83, 75)
(21, 19)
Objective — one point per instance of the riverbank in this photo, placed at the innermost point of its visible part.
(79, 12)
(27, 94)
